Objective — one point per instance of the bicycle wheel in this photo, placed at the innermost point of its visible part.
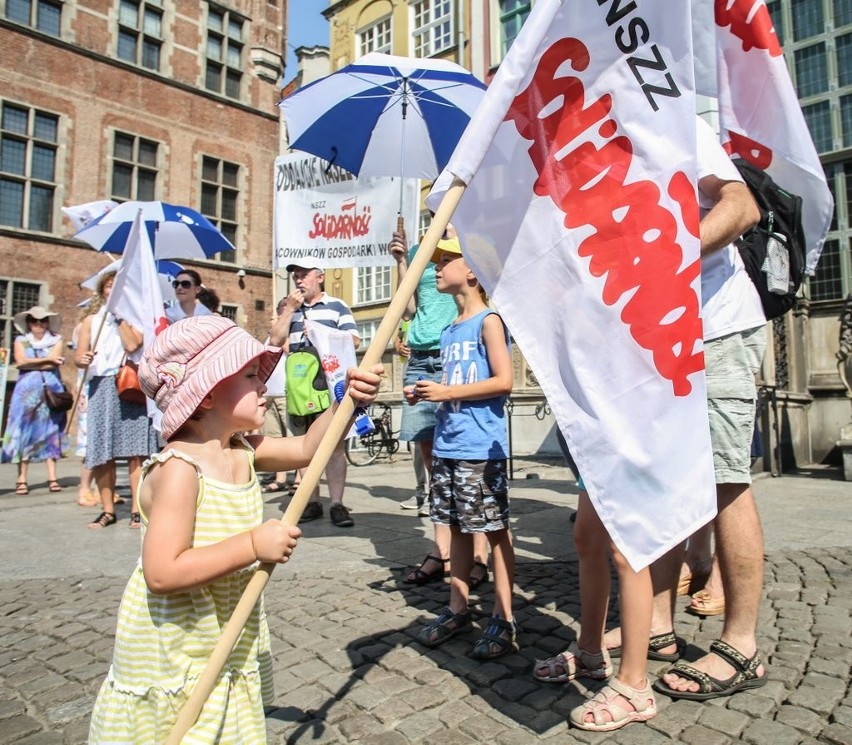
(361, 451)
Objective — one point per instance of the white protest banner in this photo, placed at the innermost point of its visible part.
(335, 219)
(580, 220)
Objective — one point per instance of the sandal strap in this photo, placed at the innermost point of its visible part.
(736, 659)
(434, 558)
(501, 625)
(105, 519)
(638, 697)
(706, 684)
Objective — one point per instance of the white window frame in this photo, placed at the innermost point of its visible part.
(373, 284)
(377, 37)
(433, 26)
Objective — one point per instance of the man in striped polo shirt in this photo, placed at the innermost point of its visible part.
(309, 299)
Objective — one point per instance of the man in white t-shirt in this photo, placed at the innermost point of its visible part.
(734, 343)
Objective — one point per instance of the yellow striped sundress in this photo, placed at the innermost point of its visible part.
(163, 642)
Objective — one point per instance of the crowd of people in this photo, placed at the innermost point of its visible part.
(229, 410)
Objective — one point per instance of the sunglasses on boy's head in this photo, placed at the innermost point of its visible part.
(185, 283)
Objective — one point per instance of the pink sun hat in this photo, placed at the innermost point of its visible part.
(191, 357)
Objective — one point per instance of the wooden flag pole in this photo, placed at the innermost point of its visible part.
(83, 378)
(337, 429)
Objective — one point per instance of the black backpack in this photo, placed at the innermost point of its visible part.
(773, 251)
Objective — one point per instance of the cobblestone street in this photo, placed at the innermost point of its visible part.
(347, 668)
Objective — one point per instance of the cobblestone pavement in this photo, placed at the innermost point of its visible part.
(347, 668)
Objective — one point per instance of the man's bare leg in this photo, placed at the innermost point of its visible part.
(739, 545)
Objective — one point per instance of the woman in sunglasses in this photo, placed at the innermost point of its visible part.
(187, 286)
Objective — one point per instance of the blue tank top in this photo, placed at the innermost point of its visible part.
(469, 430)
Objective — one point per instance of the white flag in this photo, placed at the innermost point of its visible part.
(759, 113)
(136, 296)
(581, 221)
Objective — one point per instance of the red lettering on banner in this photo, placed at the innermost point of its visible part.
(330, 363)
(758, 155)
(346, 225)
(634, 246)
(750, 22)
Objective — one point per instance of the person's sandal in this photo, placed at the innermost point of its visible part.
(623, 704)
(444, 628)
(421, 577)
(104, 520)
(704, 604)
(274, 486)
(572, 664)
(475, 580)
(655, 644)
(21, 488)
(53, 486)
(135, 520)
(744, 677)
(497, 639)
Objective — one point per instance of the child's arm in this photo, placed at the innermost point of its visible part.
(500, 382)
(169, 561)
(287, 453)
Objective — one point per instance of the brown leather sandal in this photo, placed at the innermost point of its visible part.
(420, 577)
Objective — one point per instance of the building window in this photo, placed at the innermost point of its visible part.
(842, 13)
(366, 331)
(844, 59)
(774, 8)
(513, 13)
(224, 72)
(134, 168)
(28, 149)
(811, 70)
(219, 196)
(375, 38)
(42, 15)
(827, 282)
(372, 284)
(846, 120)
(140, 32)
(433, 27)
(15, 297)
(818, 118)
(229, 311)
(808, 18)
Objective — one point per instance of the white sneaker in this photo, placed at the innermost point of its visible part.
(414, 502)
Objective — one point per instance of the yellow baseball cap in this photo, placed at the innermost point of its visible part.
(450, 245)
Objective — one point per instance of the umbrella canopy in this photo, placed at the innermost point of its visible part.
(166, 272)
(385, 115)
(176, 232)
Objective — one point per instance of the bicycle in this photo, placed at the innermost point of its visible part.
(361, 451)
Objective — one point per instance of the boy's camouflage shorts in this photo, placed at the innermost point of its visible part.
(472, 494)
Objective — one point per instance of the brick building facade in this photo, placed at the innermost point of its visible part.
(136, 99)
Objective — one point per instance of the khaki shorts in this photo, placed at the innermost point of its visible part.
(275, 418)
(732, 363)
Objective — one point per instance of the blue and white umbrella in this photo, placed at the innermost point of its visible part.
(385, 115)
(176, 232)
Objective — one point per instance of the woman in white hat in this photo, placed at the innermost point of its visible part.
(33, 431)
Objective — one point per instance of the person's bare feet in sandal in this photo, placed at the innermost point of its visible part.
(710, 600)
(431, 569)
(612, 641)
(616, 705)
(714, 666)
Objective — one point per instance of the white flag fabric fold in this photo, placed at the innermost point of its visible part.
(580, 219)
(136, 296)
(759, 113)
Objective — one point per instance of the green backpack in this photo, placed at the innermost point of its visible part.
(307, 389)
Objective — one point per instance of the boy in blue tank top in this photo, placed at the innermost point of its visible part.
(470, 491)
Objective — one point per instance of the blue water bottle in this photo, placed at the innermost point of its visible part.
(363, 421)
